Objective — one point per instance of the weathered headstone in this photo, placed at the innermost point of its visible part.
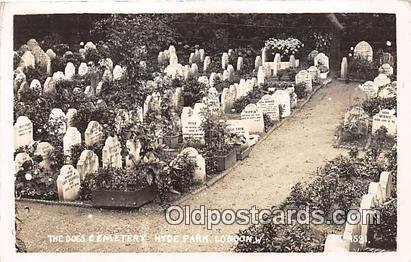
(43, 149)
(224, 60)
(321, 59)
(253, 118)
(370, 89)
(386, 185)
(207, 62)
(35, 85)
(386, 69)
(374, 188)
(191, 128)
(70, 115)
(71, 138)
(292, 61)
(112, 153)
(257, 62)
(268, 105)
(68, 183)
(133, 148)
(304, 77)
(93, 133)
(69, 71)
(260, 76)
(387, 119)
(363, 50)
(282, 98)
(200, 171)
(23, 132)
(202, 55)
(87, 163)
(58, 120)
(240, 62)
(344, 68)
(381, 80)
(19, 160)
(83, 69)
(28, 60)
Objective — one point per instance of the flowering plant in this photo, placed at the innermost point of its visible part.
(286, 47)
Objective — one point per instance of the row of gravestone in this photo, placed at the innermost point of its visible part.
(356, 232)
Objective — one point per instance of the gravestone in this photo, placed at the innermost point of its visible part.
(374, 188)
(23, 132)
(207, 62)
(240, 62)
(203, 79)
(238, 128)
(226, 75)
(258, 62)
(35, 85)
(381, 80)
(191, 128)
(224, 60)
(87, 163)
(136, 115)
(294, 100)
(71, 114)
(253, 118)
(282, 98)
(227, 101)
(292, 61)
(49, 86)
(107, 76)
(71, 138)
(51, 54)
(121, 120)
(366, 206)
(43, 149)
(58, 120)
(386, 185)
(260, 76)
(268, 105)
(230, 70)
(19, 161)
(388, 91)
(344, 68)
(352, 234)
(387, 58)
(213, 100)
(194, 70)
(370, 89)
(200, 171)
(83, 69)
(112, 153)
(93, 133)
(89, 45)
(385, 118)
(69, 71)
(161, 58)
(118, 72)
(202, 54)
(191, 59)
(58, 76)
(68, 183)
(304, 77)
(133, 148)
(321, 59)
(386, 69)
(314, 72)
(363, 50)
(28, 60)
(173, 59)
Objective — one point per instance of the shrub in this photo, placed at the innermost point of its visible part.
(363, 69)
(373, 106)
(300, 90)
(384, 234)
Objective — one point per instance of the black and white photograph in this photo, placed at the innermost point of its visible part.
(204, 131)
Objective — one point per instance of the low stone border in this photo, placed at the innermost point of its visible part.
(196, 191)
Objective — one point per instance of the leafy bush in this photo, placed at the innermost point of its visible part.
(373, 106)
(282, 238)
(363, 69)
(385, 234)
(252, 97)
(301, 90)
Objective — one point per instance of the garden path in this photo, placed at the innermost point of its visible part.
(290, 154)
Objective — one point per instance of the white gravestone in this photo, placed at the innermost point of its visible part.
(304, 77)
(69, 71)
(23, 132)
(191, 128)
(363, 50)
(43, 149)
(386, 185)
(70, 115)
(71, 138)
(253, 118)
(68, 183)
(87, 163)
(268, 105)
(133, 148)
(381, 80)
(385, 118)
(93, 133)
(58, 120)
(282, 98)
(19, 161)
(118, 72)
(35, 85)
(200, 171)
(112, 153)
(321, 59)
(370, 89)
(83, 69)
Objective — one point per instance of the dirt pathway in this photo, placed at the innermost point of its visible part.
(289, 155)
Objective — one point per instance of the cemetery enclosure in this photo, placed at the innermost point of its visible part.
(286, 157)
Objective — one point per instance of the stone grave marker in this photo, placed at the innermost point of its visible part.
(386, 185)
(68, 183)
(240, 63)
(28, 60)
(200, 171)
(133, 148)
(258, 62)
(19, 161)
(321, 59)
(374, 188)
(83, 69)
(387, 69)
(69, 71)
(363, 50)
(70, 115)
(344, 68)
(35, 85)
(381, 80)
(260, 76)
(370, 89)
(207, 62)
(268, 105)
(191, 128)
(253, 118)
(112, 153)
(43, 149)
(304, 77)
(93, 133)
(58, 120)
(224, 60)
(71, 138)
(282, 98)
(87, 163)
(23, 132)
(385, 118)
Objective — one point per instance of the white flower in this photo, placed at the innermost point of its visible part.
(388, 43)
(28, 176)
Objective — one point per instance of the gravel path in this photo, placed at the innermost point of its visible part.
(289, 155)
